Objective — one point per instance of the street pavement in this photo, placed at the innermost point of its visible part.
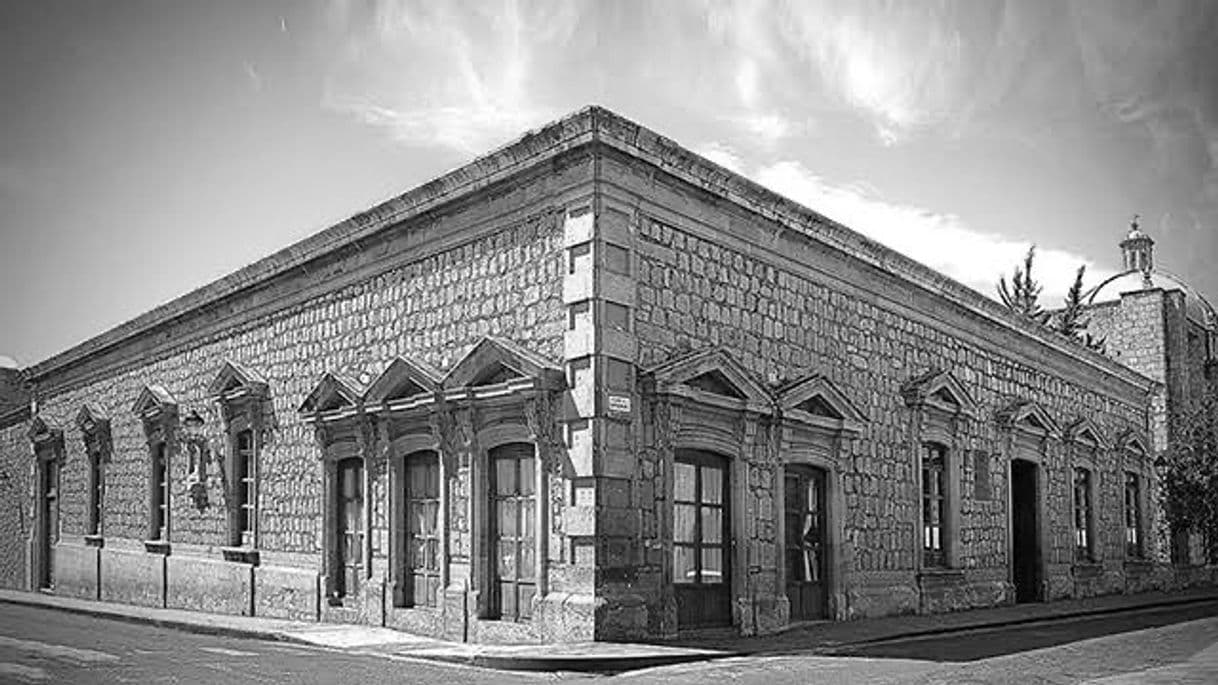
(1163, 644)
(38, 645)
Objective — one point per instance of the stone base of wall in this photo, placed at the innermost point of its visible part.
(76, 570)
(132, 577)
(888, 594)
(367, 606)
(621, 617)
(566, 617)
(952, 590)
(416, 620)
(213, 585)
(283, 592)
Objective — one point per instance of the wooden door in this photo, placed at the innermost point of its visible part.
(350, 530)
(700, 540)
(513, 536)
(804, 494)
(50, 523)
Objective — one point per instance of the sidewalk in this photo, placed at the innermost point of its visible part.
(607, 657)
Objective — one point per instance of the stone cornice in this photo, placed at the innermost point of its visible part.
(588, 126)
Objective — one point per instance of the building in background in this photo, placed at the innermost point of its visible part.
(1158, 325)
(588, 386)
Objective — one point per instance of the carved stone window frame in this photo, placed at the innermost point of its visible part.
(818, 439)
(158, 412)
(335, 409)
(240, 397)
(1135, 458)
(685, 415)
(406, 403)
(94, 426)
(46, 442)
(1030, 434)
(500, 393)
(1087, 446)
(941, 406)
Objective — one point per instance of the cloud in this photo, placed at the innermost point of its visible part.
(941, 241)
(255, 79)
(462, 77)
(722, 155)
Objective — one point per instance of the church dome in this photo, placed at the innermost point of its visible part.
(1137, 252)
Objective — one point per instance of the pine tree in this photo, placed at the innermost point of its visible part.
(1072, 320)
(1022, 295)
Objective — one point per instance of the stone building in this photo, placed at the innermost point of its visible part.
(1158, 325)
(589, 386)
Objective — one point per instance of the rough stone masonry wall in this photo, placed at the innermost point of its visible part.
(695, 292)
(434, 309)
(16, 469)
(1133, 329)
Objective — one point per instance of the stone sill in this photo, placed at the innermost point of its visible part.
(95, 541)
(244, 555)
(1138, 565)
(1087, 569)
(157, 547)
(940, 576)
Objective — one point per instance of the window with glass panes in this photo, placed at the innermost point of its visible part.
(513, 508)
(423, 537)
(349, 535)
(245, 462)
(96, 483)
(1082, 514)
(160, 492)
(934, 504)
(698, 522)
(1133, 516)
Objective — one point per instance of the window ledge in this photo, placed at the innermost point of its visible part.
(941, 575)
(244, 555)
(157, 547)
(95, 541)
(1088, 569)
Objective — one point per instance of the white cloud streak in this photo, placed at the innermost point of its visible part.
(941, 241)
(440, 75)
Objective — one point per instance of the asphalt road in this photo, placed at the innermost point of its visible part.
(46, 646)
(1170, 645)
(985, 644)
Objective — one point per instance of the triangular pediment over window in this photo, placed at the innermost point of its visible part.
(235, 381)
(816, 401)
(154, 401)
(1028, 416)
(91, 418)
(1133, 442)
(1085, 432)
(712, 375)
(403, 379)
(42, 431)
(504, 365)
(334, 395)
(939, 390)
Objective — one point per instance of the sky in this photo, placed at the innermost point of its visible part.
(149, 148)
